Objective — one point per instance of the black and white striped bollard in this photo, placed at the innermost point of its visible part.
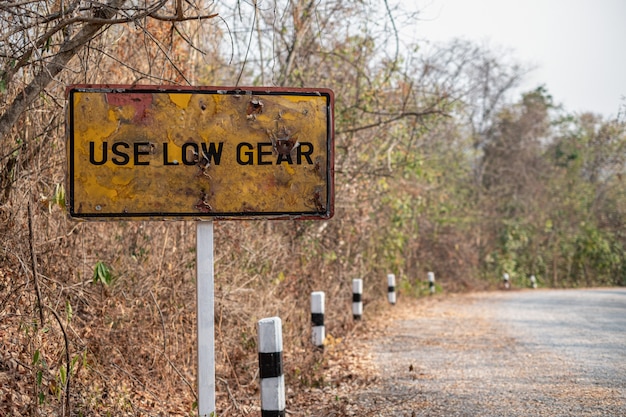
(391, 288)
(270, 335)
(506, 280)
(357, 298)
(533, 281)
(317, 319)
(431, 282)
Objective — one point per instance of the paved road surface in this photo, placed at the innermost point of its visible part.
(518, 353)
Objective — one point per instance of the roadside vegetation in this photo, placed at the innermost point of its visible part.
(441, 165)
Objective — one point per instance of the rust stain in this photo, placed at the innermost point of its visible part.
(283, 141)
(255, 107)
(202, 205)
(140, 102)
(317, 201)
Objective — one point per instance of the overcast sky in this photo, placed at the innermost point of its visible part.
(577, 46)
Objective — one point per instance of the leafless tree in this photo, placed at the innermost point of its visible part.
(40, 37)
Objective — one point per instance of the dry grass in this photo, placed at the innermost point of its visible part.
(132, 343)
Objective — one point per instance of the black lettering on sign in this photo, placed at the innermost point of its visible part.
(166, 159)
(305, 149)
(261, 153)
(123, 157)
(139, 152)
(92, 156)
(284, 157)
(193, 153)
(213, 155)
(193, 158)
(245, 155)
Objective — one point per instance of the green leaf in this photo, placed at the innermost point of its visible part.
(68, 310)
(102, 274)
(59, 195)
(63, 375)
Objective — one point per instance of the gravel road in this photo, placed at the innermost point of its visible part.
(517, 353)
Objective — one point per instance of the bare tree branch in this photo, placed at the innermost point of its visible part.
(395, 118)
(302, 22)
(101, 18)
(41, 80)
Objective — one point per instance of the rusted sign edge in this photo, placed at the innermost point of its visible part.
(279, 215)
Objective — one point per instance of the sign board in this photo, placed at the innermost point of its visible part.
(152, 152)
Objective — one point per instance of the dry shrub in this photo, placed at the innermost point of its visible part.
(132, 342)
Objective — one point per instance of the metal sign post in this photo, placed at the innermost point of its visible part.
(206, 321)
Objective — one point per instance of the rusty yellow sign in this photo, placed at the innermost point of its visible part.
(152, 152)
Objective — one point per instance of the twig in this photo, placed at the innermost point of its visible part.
(162, 320)
(66, 406)
(245, 58)
(134, 378)
(230, 393)
(193, 392)
(417, 114)
(162, 258)
(397, 39)
(232, 367)
(33, 259)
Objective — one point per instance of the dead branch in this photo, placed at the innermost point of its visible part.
(66, 404)
(41, 80)
(33, 258)
(103, 17)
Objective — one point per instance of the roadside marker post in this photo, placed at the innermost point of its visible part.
(391, 288)
(357, 298)
(270, 349)
(318, 331)
(506, 280)
(200, 153)
(431, 282)
(533, 281)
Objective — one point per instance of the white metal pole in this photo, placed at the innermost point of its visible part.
(206, 320)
